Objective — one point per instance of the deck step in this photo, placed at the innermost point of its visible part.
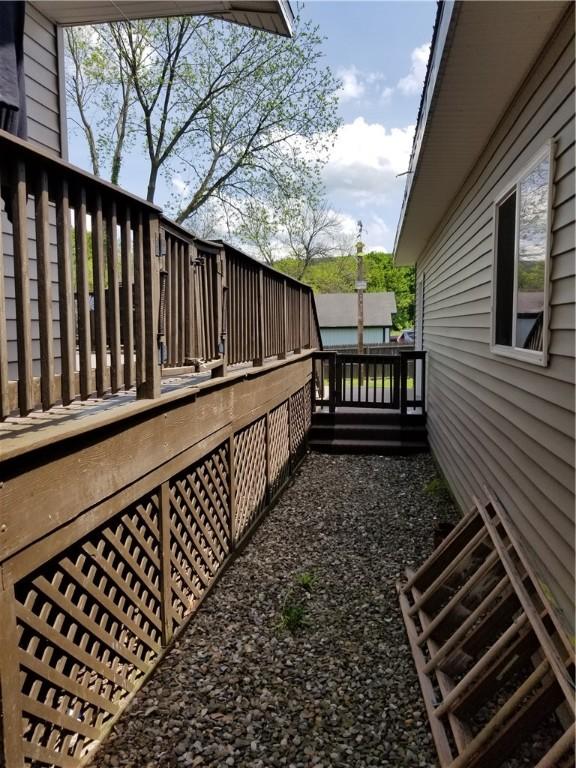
(369, 432)
(378, 447)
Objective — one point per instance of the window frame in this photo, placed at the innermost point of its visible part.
(535, 357)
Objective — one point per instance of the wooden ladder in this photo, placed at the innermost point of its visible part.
(492, 659)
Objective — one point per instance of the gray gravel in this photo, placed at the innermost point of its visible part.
(240, 690)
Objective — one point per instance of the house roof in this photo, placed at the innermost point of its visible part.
(340, 310)
(270, 15)
(465, 96)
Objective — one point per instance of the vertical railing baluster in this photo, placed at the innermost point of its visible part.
(98, 269)
(259, 317)
(188, 308)
(174, 302)
(139, 316)
(82, 296)
(126, 313)
(114, 300)
(22, 289)
(44, 268)
(4, 404)
(65, 296)
(150, 388)
(284, 331)
(182, 277)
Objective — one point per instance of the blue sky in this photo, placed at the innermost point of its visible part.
(379, 50)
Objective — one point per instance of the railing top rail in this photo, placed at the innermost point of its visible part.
(356, 356)
(55, 164)
(216, 245)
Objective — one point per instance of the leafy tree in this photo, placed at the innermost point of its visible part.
(102, 91)
(305, 229)
(236, 115)
(338, 275)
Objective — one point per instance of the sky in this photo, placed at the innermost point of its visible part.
(379, 50)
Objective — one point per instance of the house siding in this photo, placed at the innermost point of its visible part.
(44, 120)
(43, 101)
(495, 421)
(334, 337)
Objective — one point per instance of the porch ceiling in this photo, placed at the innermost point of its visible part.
(481, 54)
(270, 15)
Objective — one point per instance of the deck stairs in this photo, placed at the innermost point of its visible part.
(366, 431)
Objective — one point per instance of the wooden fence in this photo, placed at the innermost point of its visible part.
(99, 292)
(394, 382)
(87, 611)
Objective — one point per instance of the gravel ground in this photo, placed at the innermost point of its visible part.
(239, 689)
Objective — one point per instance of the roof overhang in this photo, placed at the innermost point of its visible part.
(269, 15)
(481, 54)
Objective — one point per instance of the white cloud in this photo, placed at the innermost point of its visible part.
(414, 80)
(365, 159)
(355, 83)
(352, 84)
(386, 94)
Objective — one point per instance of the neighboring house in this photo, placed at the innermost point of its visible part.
(488, 220)
(338, 318)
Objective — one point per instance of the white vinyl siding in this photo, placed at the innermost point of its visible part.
(42, 81)
(495, 421)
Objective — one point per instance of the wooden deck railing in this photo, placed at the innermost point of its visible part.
(98, 291)
(395, 382)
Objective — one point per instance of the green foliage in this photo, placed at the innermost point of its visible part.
(306, 580)
(338, 275)
(294, 606)
(293, 617)
(437, 487)
(231, 114)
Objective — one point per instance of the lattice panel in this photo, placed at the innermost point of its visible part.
(89, 628)
(200, 530)
(299, 421)
(279, 448)
(250, 475)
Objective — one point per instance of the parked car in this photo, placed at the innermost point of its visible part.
(406, 337)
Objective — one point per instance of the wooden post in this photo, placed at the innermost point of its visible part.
(139, 308)
(284, 329)
(150, 387)
(331, 382)
(82, 302)
(219, 293)
(99, 296)
(360, 285)
(65, 296)
(44, 268)
(403, 384)
(10, 684)
(22, 291)
(113, 300)
(165, 564)
(259, 359)
(269, 493)
(4, 405)
(127, 316)
(298, 308)
(232, 490)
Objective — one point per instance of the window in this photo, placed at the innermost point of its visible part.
(520, 297)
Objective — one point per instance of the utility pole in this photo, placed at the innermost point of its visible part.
(360, 288)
